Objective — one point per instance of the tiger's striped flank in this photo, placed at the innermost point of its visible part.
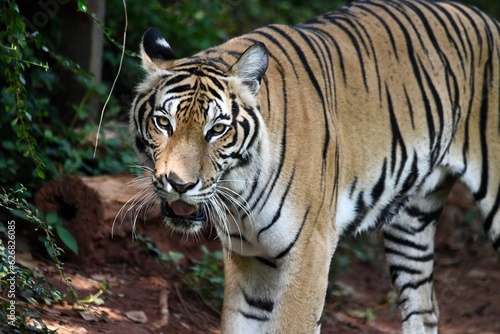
(290, 137)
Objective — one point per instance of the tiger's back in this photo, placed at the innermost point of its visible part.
(359, 118)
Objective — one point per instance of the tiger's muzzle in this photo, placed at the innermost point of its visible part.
(182, 210)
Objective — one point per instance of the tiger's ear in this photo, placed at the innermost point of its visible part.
(155, 50)
(251, 66)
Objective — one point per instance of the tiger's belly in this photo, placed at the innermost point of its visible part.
(361, 208)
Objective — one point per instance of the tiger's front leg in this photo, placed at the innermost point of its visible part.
(281, 295)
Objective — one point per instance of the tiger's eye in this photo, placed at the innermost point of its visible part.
(218, 128)
(163, 122)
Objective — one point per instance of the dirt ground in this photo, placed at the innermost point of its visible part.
(360, 299)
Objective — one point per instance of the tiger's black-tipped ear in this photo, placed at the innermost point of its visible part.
(251, 66)
(155, 50)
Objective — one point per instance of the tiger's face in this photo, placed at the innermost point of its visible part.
(196, 127)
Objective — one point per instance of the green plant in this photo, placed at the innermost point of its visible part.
(368, 314)
(21, 288)
(56, 223)
(94, 298)
(169, 257)
(39, 140)
(206, 277)
(18, 316)
(14, 41)
(52, 220)
(358, 249)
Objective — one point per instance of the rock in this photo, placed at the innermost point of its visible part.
(89, 316)
(137, 316)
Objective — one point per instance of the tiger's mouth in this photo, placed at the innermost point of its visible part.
(184, 215)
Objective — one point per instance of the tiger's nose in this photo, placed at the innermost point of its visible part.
(179, 185)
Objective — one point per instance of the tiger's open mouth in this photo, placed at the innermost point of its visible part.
(182, 213)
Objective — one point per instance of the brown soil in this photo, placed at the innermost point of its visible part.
(360, 300)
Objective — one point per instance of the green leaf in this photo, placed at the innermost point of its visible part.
(19, 214)
(82, 6)
(22, 80)
(175, 256)
(27, 115)
(53, 219)
(68, 240)
(40, 173)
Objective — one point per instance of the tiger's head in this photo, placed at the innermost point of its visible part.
(198, 128)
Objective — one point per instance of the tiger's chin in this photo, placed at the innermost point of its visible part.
(183, 217)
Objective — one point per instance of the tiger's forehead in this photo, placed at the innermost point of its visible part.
(188, 95)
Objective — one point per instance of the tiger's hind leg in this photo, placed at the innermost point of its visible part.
(492, 221)
(409, 247)
(488, 201)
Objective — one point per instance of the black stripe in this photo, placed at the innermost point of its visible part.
(142, 107)
(472, 24)
(386, 27)
(488, 221)
(326, 35)
(415, 63)
(379, 187)
(174, 79)
(399, 268)
(440, 112)
(422, 258)
(238, 236)
(462, 62)
(404, 242)
(402, 229)
(411, 22)
(255, 122)
(361, 210)
(354, 41)
(277, 214)
(483, 124)
(321, 95)
(254, 317)
(417, 313)
(410, 107)
(139, 144)
(262, 197)
(450, 20)
(306, 65)
(277, 43)
(353, 187)
(322, 42)
(215, 92)
(416, 285)
(285, 252)
(259, 303)
(423, 216)
(412, 175)
(266, 262)
(389, 211)
(397, 139)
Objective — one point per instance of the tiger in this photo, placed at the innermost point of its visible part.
(288, 138)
